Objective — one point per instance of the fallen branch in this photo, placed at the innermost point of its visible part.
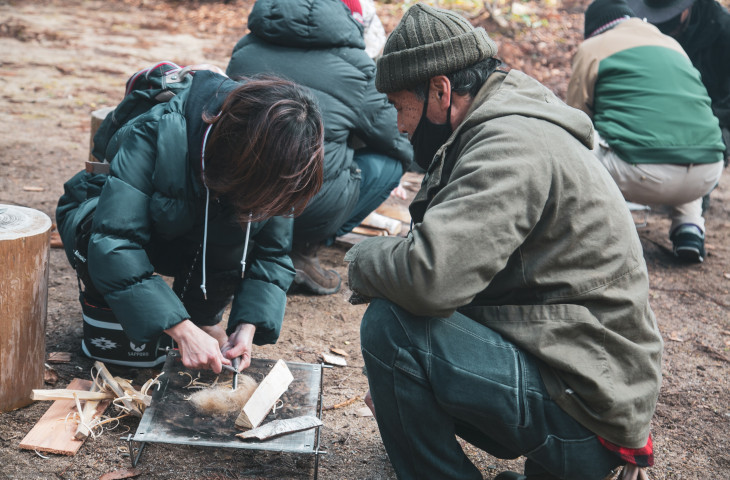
(696, 292)
(713, 352)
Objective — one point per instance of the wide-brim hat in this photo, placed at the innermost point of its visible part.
(659, 11)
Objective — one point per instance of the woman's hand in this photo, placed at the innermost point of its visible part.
(216, 331)
(197, 349)
(240, 344)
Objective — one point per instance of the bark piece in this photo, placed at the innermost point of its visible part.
(339, 351)
(121, 473)
(281, 427)
(59, 357)
(333, 360)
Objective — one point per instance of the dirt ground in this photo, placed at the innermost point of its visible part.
(61, 59)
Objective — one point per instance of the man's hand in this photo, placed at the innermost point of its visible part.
(197, 349)
(240, 345)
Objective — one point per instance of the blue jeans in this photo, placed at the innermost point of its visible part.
(432, 379)
(380, 174)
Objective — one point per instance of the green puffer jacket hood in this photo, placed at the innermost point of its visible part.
(317, 44)
(519, 227)
(151, 211)
(306, 24)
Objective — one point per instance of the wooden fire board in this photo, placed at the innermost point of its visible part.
(53, 433)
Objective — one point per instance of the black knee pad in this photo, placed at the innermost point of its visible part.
(104, 340)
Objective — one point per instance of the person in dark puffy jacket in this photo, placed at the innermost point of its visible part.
(320, 45)
(200, 189)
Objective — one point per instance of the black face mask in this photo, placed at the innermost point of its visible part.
(429, 137)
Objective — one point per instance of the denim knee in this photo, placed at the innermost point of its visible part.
(381, 333)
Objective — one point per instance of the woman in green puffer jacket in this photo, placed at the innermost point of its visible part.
(201, 188)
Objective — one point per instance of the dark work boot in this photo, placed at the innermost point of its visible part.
(510, 476)
(519, 476)
(310, 274)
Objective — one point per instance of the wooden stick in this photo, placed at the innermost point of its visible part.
(347, 402)
(119, 391)
(65, 394)
(137, 396)
(86, 416)
(265, 396)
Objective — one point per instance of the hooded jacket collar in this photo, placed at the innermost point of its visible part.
(503, 94)
(206, 95)
(306, 24)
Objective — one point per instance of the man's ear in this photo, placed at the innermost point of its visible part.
(441, 88)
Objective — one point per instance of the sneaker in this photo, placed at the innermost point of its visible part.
(310, 275)
(689, 243)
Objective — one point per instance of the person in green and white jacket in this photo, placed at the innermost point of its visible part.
(655, 130)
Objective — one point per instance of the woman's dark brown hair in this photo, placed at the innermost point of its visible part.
(265, 151)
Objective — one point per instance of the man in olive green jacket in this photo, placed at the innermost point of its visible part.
(515, 314)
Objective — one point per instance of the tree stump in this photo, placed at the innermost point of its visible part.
(24, 248)
(97, 116)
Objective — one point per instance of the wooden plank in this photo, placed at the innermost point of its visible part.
(349, 239)
(68, 394)
(396, 211)
(265, 396)
(52, 433)
(370, 232)
(375, 220)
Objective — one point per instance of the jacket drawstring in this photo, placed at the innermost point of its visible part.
(205, 225)
(245, 244)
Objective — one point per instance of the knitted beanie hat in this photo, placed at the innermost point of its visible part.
(427, 42)
(601, 14)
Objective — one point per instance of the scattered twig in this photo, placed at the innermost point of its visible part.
(347, 402)
(696, 292)
(713, 352)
